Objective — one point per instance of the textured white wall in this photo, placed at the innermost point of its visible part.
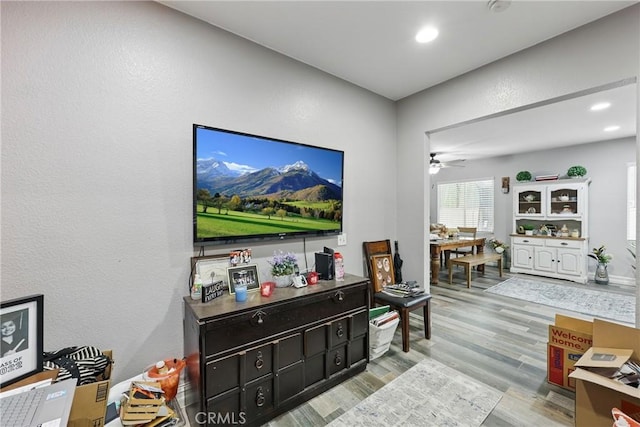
(602, 52)
(98, 99)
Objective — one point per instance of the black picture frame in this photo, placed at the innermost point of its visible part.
(23, 355)
(244, 272)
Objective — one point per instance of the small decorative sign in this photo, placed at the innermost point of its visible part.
(212, 291)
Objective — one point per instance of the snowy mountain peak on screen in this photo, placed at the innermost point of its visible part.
(299, 165)
(214, 167)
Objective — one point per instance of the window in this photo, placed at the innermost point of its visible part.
(631, 201)
(466, 204)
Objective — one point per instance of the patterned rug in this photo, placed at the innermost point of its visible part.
(428, 394)
(601, 304)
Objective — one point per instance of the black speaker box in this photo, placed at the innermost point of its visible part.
(324, 266)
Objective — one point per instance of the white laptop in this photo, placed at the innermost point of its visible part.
(47, 406)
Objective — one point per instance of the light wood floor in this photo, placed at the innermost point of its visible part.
(497, 340)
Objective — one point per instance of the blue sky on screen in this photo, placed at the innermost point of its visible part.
(248, 153)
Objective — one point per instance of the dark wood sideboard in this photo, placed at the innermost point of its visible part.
(249, 362)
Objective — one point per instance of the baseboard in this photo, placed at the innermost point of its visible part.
(618, 280)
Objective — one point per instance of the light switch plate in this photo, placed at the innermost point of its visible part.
(342, 239)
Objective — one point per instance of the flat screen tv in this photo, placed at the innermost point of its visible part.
(249, 187)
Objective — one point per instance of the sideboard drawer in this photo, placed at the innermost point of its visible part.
(272, 320)
(531, 241)
(222, 374)
(259, 362)
(290, 350)
(560, 243)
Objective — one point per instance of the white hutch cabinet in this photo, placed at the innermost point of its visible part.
(557, 212)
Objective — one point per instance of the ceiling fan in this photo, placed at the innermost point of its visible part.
(435, 165)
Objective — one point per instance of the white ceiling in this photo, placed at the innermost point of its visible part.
(371, 44)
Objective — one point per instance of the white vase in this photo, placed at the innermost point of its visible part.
(283, 281)
(499, 249)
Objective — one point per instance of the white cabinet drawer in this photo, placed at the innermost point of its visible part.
(560, 243)
(531, 241)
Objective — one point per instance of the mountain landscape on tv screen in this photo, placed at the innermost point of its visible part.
(295, 182)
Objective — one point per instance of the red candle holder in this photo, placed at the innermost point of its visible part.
(312, 278)
(266, 288)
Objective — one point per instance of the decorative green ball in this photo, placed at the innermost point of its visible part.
(576, 171)
(523, 176)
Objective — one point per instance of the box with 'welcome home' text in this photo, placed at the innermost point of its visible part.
(569, 339)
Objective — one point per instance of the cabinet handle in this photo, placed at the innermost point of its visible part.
(260, 399)
(525, 241)
(259, 362)
(338, 360)
(564, 243)
(259, 316)
(339, 296)
(340, 331)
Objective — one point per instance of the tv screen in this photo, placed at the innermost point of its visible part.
(249, 187)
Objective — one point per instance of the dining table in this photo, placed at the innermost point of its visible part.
(445, 246)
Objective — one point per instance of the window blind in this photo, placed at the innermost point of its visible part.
(467, 204)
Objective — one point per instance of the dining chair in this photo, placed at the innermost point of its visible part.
(466, 232)
(403, 305)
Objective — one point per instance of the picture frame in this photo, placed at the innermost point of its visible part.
(21, 352)
(247, 273)
(240, 256)
(211, 268)
(382, 268)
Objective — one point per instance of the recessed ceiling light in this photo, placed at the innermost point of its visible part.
(600, 106)
(427, 34)
(611, 128)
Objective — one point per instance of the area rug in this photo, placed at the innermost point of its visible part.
(601, 304)
(428, 394)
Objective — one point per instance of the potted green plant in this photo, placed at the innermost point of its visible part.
(603, 258)
(528, 229)
(523, 176)
(576, 171)
(497, 245)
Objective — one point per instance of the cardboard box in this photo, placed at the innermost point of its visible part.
(596, 394)
(569, 339)
(560, 363)
(90, 401)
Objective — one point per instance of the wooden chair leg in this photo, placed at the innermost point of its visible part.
(404, 319)
(426, 314)
(467, 270)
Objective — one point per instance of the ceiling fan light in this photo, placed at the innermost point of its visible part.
(433, 170)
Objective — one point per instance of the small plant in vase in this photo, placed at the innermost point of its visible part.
(282, 268)
(603, 258)
(497, 245)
